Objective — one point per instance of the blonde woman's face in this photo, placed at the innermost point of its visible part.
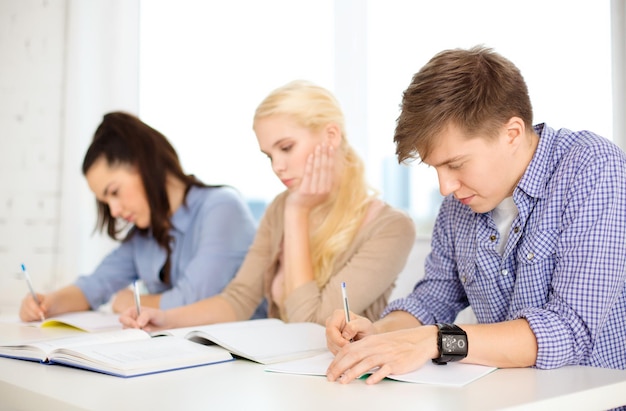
(288, 145)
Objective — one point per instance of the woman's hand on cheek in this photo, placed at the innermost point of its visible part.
(317, 181)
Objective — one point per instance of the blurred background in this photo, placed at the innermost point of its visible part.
(196, 70)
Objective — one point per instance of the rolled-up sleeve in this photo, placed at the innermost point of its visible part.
(589, 273)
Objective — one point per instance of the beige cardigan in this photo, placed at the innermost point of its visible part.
(369, 266)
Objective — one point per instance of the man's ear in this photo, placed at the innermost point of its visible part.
(333, 135)
(515, 131)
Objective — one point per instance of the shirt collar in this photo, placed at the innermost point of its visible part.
(538, 172)
(183, 216)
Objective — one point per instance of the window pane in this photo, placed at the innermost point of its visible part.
(206, 65)
(562, 48)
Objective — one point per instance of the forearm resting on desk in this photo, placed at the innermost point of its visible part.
(208, 311)
(504, 345)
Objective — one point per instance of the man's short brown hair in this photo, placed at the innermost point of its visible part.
(476, 90)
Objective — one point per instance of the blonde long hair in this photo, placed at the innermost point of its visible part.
(314, 107)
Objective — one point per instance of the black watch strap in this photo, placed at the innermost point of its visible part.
(451, 343)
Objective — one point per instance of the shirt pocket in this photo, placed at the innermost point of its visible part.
(537, 252)
(467, 268)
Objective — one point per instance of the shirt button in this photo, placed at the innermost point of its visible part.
(463, 279)
(516, 230)
(504, 272)
(492, 237)
(530, 256)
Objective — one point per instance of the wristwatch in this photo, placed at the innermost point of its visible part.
(451, 342)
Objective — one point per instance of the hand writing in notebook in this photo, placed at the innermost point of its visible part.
(379, 354)
(150, 319)
(341, 329)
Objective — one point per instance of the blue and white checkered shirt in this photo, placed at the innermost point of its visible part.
(564, 264)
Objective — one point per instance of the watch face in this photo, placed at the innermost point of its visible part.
(454, 344)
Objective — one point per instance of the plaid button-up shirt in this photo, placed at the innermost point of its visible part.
(564, 264)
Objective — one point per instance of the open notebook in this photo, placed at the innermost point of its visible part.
(453, 374)
(132, 352)
(265, 341)
(89, 321)
(123, 353)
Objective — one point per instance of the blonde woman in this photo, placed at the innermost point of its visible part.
(325, 228)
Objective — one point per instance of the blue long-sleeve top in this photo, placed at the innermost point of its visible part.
(211, 234)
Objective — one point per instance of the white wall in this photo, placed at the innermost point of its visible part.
(64, 64)
(32, 38)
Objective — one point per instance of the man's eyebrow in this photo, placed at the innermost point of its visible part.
(448, 161)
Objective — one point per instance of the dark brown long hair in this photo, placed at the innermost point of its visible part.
(123, 139)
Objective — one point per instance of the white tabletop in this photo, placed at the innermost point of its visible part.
(242, 384)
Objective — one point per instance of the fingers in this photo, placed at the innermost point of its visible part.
(323, 169)
(358, 359)
(128, 318)
(380, 355)
(305, 184)
(41, 309)
(31, 311)
(327, 170)
(318, 171)
(334, 327)
(150, 319)
(357, 328)
(146, 318)
(339, 333)
(378, 375)
(351, 362)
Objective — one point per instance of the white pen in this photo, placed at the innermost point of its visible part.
(137, 300)
(30, 287)
(346, 308)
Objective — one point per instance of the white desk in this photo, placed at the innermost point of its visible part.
(243, 385)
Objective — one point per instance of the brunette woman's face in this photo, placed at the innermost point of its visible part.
(288, 145)
(121, 188)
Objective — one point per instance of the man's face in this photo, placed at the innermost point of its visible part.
(479, 171)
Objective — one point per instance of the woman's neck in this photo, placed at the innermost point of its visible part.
(175, 192)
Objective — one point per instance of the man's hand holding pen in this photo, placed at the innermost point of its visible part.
(339, 332)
